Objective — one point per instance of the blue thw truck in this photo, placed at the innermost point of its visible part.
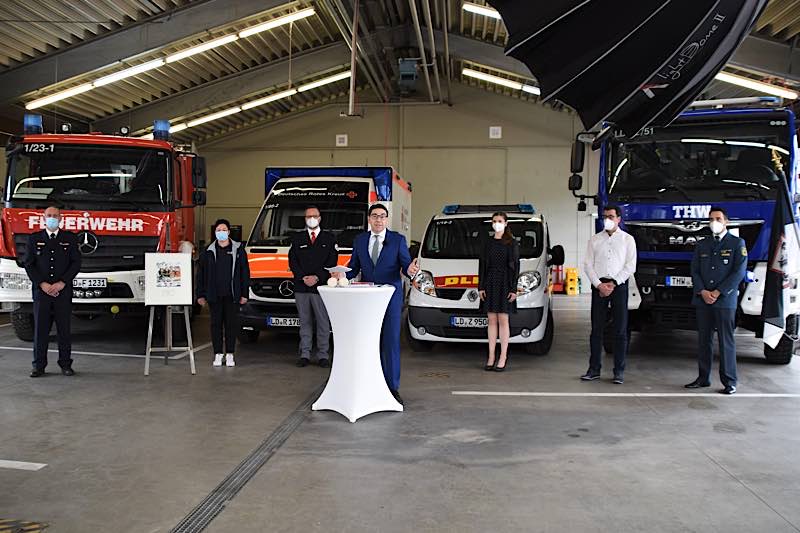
(741, 157)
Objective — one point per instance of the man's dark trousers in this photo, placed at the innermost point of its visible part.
(47, 310)
(618, 301)
(709, 318)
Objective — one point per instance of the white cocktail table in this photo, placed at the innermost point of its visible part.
(356, 386)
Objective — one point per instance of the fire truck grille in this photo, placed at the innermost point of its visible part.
(113, 253)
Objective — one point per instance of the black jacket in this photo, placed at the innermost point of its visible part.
(207, 274)
(52, 260)
(512, 266)
(306, 259)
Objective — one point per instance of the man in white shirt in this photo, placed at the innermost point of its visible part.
(609, 263)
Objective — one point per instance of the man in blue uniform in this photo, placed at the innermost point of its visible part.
(718, 267)
(381, 256)
(52, 262)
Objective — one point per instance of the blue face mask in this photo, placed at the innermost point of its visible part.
(221, 235)
(51, 223)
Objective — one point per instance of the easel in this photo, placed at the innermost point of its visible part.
(168, 347)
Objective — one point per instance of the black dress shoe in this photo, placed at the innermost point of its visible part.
(729, 389)
(303, 361)
(68, 371)
(489, 368)
(498, 368)
(324, 363)
(697, 384)
(397, 397)
(36, 373)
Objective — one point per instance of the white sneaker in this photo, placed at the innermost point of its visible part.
(217, 359)
(229, 360)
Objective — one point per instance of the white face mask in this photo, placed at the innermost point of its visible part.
(312, 223)
(716, 227)
(609, 225)
(498, 227)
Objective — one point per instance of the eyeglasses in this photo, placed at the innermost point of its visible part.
(375, 216)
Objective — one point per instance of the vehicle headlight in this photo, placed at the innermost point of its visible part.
(15, 282)
(423, 282)
(528, 282)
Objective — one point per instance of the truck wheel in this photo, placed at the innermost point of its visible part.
(248, 336)
(782, 353)
(608, 337)
(23, 325)
(542, 347)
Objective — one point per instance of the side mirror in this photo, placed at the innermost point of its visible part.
(575, 182)
(413, 250)
(199, 178)
(199, 198)
(556, 256)
(578, 156)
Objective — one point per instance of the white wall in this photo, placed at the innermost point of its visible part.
(445, 152)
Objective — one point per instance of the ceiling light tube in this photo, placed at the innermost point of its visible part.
(178, 127)
(200, 48)
(59, 96)
(478, 9)
(280, 21)
(511, 84)
(213, 116)
(757, 85)
(128, 72)
(323, 81)
(532, 90)
(702, 141)
(268, 99)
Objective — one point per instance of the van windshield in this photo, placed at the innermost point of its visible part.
(343, 206)
(462, 238)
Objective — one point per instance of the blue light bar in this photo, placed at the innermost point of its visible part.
(32, 124)
(450, 209)
(526, 208)
(161, 130)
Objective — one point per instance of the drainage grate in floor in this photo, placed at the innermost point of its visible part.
(20, 526)
(440, 375)
(213, 504)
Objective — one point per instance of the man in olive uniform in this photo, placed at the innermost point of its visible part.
(52, 262)
(718, 267)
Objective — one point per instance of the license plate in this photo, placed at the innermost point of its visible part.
(283, 322)
(90, 283)
(679, 281)
(469, 321)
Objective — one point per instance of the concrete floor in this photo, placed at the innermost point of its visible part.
(126, 453)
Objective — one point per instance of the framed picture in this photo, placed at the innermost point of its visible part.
(167, 279)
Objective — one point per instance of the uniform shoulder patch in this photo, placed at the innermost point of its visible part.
(744, 251)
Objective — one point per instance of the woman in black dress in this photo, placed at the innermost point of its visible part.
(497, 286)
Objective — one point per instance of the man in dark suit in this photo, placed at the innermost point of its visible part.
(52, 262)
(380, 256)
(718, 267)
(312, 252)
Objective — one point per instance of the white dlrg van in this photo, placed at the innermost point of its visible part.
(444, 305)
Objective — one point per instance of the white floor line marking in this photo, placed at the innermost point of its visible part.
(5, 325)
(19, 465)
(179, 355)
(625, 394)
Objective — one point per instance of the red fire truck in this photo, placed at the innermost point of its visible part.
(123, 197)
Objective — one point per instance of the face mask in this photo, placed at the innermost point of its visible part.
(498, 226)
(312, 223)
(51, 223)
(609, 225)
(221, 235)
(716, 227)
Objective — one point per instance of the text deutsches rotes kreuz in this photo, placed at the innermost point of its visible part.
(90, 223)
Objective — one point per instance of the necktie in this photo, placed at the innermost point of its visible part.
(375, 249)
(313, 237)
(716, 238)
(52, 236)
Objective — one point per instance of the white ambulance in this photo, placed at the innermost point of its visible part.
(444, 305)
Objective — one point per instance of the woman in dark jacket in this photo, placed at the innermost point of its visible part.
(223, 280)
(497, 285)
